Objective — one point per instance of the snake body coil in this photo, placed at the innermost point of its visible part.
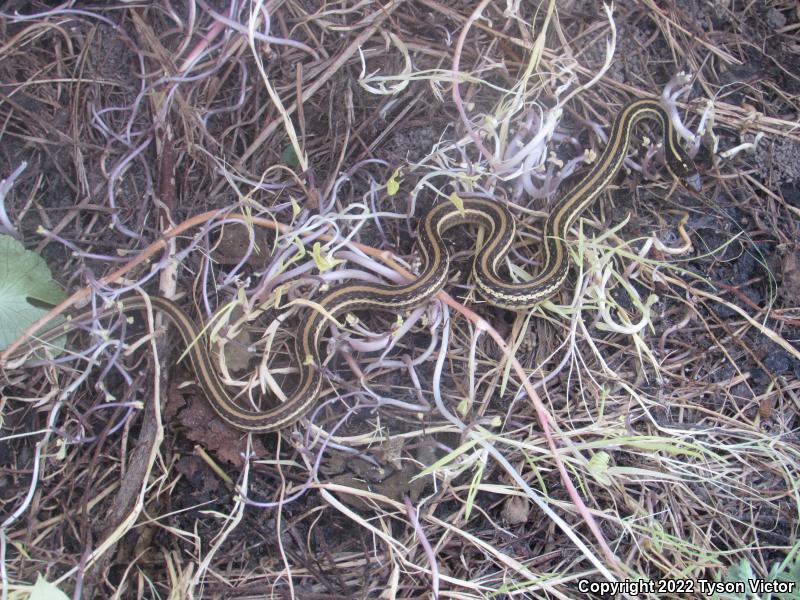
(499, 228)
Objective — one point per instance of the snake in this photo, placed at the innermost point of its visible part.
(499, 233)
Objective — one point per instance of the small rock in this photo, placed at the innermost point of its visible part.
(515, 510)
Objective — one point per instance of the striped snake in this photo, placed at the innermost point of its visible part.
(499, 232)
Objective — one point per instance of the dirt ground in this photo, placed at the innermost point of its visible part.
(242, 158)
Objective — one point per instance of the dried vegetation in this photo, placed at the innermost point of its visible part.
(656, 436)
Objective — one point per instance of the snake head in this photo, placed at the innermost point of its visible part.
(682, 167)
(693, 181)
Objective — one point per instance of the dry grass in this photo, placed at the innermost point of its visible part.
(641, 425)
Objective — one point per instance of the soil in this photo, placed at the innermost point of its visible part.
(680, 437)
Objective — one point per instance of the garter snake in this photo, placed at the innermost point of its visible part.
(499, 227)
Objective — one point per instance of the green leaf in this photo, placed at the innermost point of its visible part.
(393, 185)
(24, 277)
(789, 573)
(458, 202)
(323, 262)
(296, 210)
(598, 467)
(289, 157)
(44, 590)
(741, 571)
(473, 489)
